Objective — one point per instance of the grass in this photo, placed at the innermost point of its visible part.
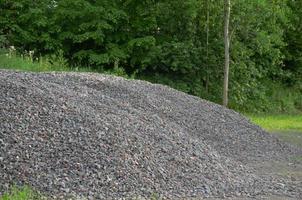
(274, 123)
(26, 193)
(23, 193)
(26, 64)
(287, 127)
(56, 62)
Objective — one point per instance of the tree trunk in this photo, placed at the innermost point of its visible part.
(227, 10)
(207, 49)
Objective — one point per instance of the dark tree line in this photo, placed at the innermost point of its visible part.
(175, 42)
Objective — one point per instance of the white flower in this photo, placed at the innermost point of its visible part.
(12, 48)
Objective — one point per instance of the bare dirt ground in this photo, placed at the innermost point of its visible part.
(285, 170)
(291, 170)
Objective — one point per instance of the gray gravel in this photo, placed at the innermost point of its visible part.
(103, 137)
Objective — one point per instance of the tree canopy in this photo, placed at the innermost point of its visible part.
(174, 42)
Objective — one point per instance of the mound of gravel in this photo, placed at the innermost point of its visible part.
(103, 137)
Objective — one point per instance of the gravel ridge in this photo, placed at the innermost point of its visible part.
(104, 137)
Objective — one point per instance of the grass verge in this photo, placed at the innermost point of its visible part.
(23, 193)
(287, 127)
(276, 123)
(26, 64)
(55, 62)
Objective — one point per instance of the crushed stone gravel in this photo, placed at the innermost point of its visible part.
(85, 135)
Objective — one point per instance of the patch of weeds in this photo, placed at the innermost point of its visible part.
(26, 61)
(22, 193)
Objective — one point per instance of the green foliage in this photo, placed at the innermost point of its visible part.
(52, 62)
(24, 193)
(166, 42)
(278, 122)
(57, 59)
(287, 127)
(3, 40)
(26, 63)
(271, 97)
(293, 51)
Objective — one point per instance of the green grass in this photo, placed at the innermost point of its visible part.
(25, 64)
(287, 127)
(48, 64)
(279, 122)
(24, 193)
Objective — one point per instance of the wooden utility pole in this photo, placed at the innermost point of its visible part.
(227, 11)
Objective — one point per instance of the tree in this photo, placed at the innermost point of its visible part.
(173, 42)
(293, 50)
(227, 10)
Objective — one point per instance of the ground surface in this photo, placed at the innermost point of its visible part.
(279, 122)
(96, 136)
(292, 137)
(287, 128)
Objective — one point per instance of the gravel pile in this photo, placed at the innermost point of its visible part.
(103, 137)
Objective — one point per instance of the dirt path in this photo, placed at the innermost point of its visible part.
(292, 137)
(294, 166)
(287, 171)
(291, 170)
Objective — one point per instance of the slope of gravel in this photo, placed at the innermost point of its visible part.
(104, 137)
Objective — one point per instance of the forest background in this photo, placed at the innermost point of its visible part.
(173, 42)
